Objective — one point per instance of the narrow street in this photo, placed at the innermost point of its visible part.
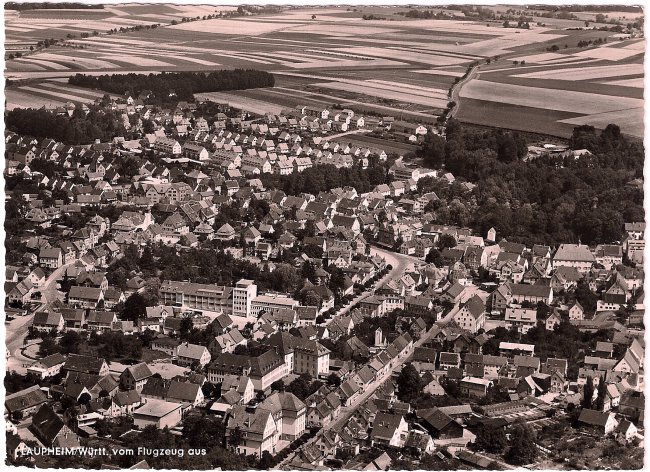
(346, 412)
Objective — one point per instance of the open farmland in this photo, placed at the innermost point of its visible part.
(597, 86)
(49, 94)
(332, 55)
(249, 104)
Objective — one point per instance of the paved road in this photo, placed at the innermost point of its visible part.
(399, 262)
(346, 412)
(16, 330)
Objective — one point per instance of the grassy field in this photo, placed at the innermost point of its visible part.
(363, 140)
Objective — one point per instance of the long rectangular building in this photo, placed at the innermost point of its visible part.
(196, 296)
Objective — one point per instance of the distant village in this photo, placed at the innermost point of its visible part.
(370, 329)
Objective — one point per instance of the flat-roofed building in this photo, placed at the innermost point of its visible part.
(270, 302)
(243, 294)
(159, 413)
(196, 296)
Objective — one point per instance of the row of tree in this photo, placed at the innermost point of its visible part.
(324, 177)
(76, 129)
(179, 85)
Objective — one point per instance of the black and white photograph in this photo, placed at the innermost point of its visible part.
(324, 237)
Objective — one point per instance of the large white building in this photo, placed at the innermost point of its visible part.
(243, 294)
(574, 255)
(196, 296)
(269, 302)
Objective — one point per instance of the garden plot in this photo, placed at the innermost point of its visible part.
(196, 60)
(366, 89)
(342, 29)
(344, 64)
(536, 58)
(76, 61)
(586, 73)
(61, 85)
(449, 73)
(17, 99)
(42, 62)
(637, 45)
(400, 87)
(59, 95)
(560, 100)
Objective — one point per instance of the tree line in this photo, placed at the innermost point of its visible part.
(324, 177)
(76, 129)
(543, 201)
(180, 85)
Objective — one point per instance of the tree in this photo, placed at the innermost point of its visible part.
(185, 327)
(236, 437)
(588, 393)
(433, 150)
(84, 399)
(600, 396)
(70, 342)
(266, 461)
(135, 308)
(446, 241)
(490, 438)
(334, 380)
(299, 387)
(203, 431)
(48, 346)
(410, 383)
(278, 386)
(522, 446)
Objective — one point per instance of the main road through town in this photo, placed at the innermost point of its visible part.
(16, 330)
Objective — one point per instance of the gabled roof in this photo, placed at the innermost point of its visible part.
(434, 417)
(593, 417)
(385, 425)
(24, 399)
(140, 371)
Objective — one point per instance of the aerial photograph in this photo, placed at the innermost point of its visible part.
(324, 237)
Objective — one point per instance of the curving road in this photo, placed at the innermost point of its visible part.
(16, 330)
(399, 263)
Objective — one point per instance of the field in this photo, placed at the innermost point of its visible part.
(597, 86)
(362, 140)
(324, 56)
(48, 93)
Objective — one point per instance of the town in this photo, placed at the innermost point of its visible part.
(260, 287)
